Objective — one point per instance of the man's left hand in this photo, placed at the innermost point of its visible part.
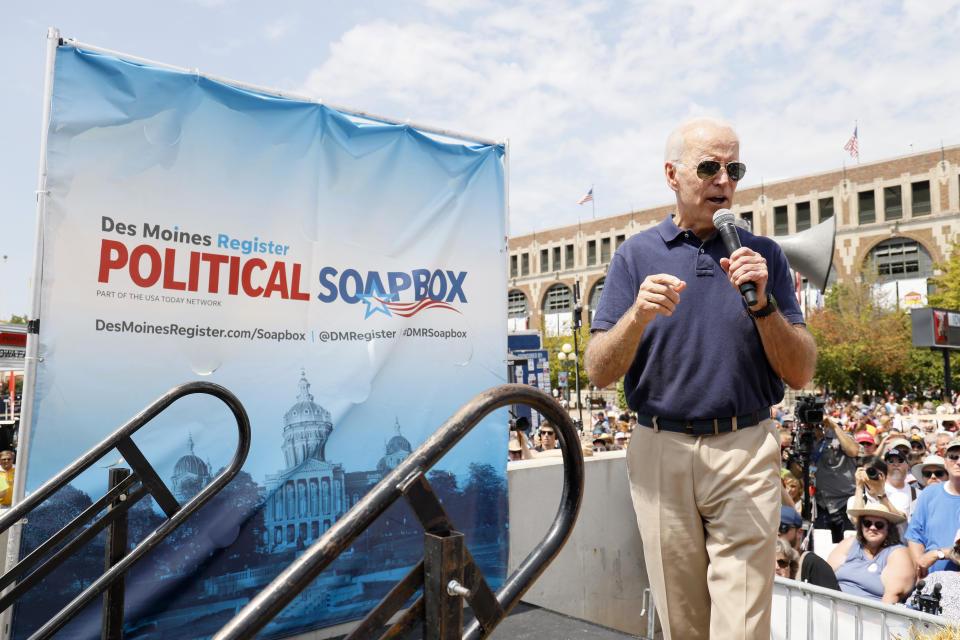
(746, 265)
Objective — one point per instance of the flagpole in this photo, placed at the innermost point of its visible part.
(593, 203)
(856, 127)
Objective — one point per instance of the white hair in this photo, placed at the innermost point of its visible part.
(676, 141)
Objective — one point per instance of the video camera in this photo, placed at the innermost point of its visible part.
(809, 413)
(809, 409)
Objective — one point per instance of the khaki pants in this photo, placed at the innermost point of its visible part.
(708, 509)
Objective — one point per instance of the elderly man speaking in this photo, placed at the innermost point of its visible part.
(702, 370)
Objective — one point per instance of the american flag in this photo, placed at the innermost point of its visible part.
(852, 146)
(586, 198)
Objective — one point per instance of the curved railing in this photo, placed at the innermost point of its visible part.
(447, 573)
(143, 481)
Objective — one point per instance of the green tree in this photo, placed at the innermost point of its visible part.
(861, 343)
(15, 319)
(947, 296)
(866, 345)
(554, 345)
(947, 283)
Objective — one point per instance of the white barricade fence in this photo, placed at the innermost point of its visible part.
(805, 611)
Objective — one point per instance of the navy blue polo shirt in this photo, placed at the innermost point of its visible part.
(706, 359)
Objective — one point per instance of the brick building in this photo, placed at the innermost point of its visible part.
(901, 214)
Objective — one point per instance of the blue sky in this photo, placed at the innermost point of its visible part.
(586, 92)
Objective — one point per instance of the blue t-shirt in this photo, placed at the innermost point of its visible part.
(706, 359)
(935, 521)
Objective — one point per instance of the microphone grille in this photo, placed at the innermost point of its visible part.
(722, 216)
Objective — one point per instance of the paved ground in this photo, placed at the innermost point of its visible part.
(527, 622)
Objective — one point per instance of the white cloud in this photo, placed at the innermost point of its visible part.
(587, 92)
(279, 27)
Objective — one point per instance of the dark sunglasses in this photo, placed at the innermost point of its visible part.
(879, 525)
(916, 444)
(547, 433)
(953, 456)
(785, 528)
(939, 473)
(894, 457)
(783, 564)
(709, 168)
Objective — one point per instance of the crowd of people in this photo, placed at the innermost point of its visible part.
(885, 474)
(605, 433)
(885, 480)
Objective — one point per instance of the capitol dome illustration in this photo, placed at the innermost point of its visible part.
(307, 496)
(397, 449)
(312, 492)
(190, 475)
(306, 427)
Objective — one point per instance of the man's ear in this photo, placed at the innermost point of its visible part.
(670, 171)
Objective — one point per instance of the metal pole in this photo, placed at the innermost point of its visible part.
(947, 392)
(116, 548)
(442, 607)
(577, 323)
(12, 552)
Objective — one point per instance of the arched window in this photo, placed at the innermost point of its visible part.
(314, 497)
(290, 500)
(558, 298)
(595, 297)
(517, 305)
(900, 258)
(325, 494)
(558, 310)
(518, 311)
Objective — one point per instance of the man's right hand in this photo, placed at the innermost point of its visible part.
(658, 294)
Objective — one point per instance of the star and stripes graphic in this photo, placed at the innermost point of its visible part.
(588, 197)
(378, 301)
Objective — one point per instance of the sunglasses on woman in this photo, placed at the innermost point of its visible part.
(709, 168)
(879, 525)
(939, 473)
(783, 564)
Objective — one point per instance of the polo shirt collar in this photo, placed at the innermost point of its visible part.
(669, 231)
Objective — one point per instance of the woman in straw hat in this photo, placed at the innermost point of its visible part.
(874, 563)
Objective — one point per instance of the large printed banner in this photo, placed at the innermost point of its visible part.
(343, 277)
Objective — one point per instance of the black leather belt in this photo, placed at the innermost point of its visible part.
(704, 427)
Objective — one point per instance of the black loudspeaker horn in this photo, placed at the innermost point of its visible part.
(810, 252)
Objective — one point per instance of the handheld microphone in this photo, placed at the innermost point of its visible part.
(723, 220)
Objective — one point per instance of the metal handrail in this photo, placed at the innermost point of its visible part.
(889, 614)
(408, 476)
(150, 484)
